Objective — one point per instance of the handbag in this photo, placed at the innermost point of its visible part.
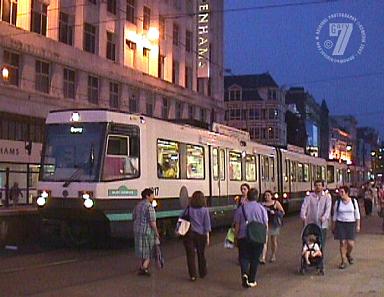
(229, 241)
(277, 219)
(256, 232)
(183, 223)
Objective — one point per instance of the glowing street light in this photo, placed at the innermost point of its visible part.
(153, 34)
(5, 73)
(349, 148)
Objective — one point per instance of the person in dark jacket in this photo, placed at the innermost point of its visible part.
(249, 252)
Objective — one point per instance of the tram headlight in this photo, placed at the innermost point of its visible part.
(41, 201)
(337, 190)
(307, 193)
(285, 195)
(154, 203)
(276, 196)
(88, 203)
(85, 195)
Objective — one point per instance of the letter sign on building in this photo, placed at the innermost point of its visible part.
(203, 39)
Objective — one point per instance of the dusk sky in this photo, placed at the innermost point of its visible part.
(282, 41)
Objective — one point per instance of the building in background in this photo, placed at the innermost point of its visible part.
(255, 103)
(340, 143)
(378, 163)
(314, 116)
(368, 142)
(128, 55)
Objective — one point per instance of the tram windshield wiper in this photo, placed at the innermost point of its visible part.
(89, 164)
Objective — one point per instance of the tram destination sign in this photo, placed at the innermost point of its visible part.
(122, 191)
(203, 28)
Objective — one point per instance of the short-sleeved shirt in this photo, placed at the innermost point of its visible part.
(346, 212)
(143, 214)
(254, 212)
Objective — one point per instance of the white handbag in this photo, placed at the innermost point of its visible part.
(183, 224)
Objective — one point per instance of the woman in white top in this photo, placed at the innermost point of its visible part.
(346, 222)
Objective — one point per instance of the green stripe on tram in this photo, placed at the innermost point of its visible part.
(120, 217)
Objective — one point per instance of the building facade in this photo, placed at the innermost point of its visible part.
(368, 141)
(340, 143)
(159, 58)
(315, 117)
(256, 104)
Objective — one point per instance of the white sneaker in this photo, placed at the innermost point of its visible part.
(252, 284)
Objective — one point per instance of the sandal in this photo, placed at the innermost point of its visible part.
(342, 265)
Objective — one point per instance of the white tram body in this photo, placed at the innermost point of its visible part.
(95, 163)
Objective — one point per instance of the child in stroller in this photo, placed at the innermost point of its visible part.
(312, 253)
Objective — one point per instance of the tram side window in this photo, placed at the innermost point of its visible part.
(215, 163)
(266, 168)
(286, 175)
(300, 173)
(306, 172)
(318, 173)
(222, 164)
(195, 162)
(272, 164)
(168, 159)
(122, 157)
(235, 169)
(293, 171)
(250, 168)
(330, 174)
(323, 173)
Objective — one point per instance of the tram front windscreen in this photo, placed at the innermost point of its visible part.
(73, 152)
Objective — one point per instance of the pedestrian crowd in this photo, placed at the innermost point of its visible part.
(256, 227)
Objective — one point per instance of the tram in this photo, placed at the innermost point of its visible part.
(95, 163)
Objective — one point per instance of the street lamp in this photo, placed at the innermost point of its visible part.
(5, 73)
(153, 34)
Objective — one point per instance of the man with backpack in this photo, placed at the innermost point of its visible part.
(316, 208)
(251, 223)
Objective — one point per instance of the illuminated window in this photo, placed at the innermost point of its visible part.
(306, 172)
(235, 168)
(195, 162)
(250, 168)
(122, 156)
(168, 164)
(300, 176)
(11, 61)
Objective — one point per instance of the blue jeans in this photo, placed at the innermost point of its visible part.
(249, 254)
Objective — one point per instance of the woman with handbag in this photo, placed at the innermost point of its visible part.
(275, 215)
(197, 237)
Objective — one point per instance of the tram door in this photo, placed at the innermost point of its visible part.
(218, 181)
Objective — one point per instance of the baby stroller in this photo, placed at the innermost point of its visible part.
(312, 229)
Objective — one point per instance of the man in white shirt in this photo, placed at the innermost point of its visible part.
(316, 208)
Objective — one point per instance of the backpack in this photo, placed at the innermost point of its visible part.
(256, 232)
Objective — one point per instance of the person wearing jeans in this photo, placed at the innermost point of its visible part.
(249, 252)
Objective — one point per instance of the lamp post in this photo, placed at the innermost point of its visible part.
(5, 73)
